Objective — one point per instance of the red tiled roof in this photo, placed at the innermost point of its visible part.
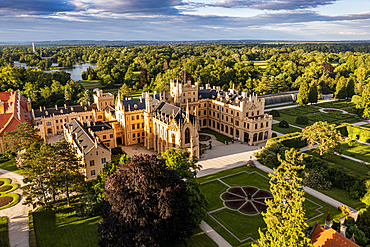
(329, 238)
(10, 119)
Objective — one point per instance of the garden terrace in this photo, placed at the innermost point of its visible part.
(239, 222)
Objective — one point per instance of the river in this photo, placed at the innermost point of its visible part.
(75, 72)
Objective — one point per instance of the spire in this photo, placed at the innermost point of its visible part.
(327, 221)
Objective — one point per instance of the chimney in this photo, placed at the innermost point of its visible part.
(65, 106)
(327, 221)
(40, 108)
(141, 99)
(44, 108)
(71, 108)
(56, 107)
(343, 229)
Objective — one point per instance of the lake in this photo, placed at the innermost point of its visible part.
(75, 72)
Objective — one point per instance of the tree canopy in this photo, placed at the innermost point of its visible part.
(146, 205)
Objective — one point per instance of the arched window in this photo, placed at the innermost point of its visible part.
(187, 135)
(222, 127)
(266, 135)
(260, 136)
(231, 131)
(204, 122)
(227, 129)
(255, 137)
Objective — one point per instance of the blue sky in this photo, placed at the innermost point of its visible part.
(48, 20)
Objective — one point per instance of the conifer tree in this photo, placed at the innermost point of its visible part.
(312, 93)
(284, 217)
(302, 97)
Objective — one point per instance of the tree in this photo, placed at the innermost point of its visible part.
(146, 205)
(364, 103)
(85, 99)
(324, 135)
(284, 217)
(37, 166)
(312, 93)
(143, 78)
(22, 137)
(178, 160)
(302, 97)
(124, 91)
(341, 89)
(69, 165)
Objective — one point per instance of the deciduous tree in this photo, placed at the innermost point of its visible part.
(146, 205)
(324, 135)
(302, 97)
(187, 168)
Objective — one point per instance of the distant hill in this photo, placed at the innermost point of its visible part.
(148, 42)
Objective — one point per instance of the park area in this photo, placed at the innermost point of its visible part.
(314, 115)
(236, 199)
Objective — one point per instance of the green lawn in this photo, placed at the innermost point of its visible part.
(10, 166)
(314, 115)
(343, 196)
(220, 137)
(337, 104)
(64, 228)
(291, 129)
(287, 104)
(4, 235)
(361, 152)
(87, 82)
(356, 167)
(243, 226)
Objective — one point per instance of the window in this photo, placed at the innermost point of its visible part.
(56, 121)
(222, 117)
(205, 112)
(222, 109)
(231, 131)
(213, 113)
(137, 116)
(142, 125)
(237, 133)
(255, 126)
(138, 126)
(218, 108)
(231, 120)
(209, 122)
(138, 134)
(237, 123)
(92, 163)
(237, 114)
(218, 115)
(132, 118)
(104, 137)
(92, 172)
(261, 125)
(227, 129)
(205, 104)
(204, 122)
(57, 127)
(213, 124)
(222, 127)
(213, 106)
(246, 114)
(258, 112)
(267, 124)
(133, 135)
(232, 112)
(103, 161)
(227, 118)
(133, 126)
(100, 117)
(199, 113)
(218, 126)
(252, 113)
(187, 135)
(48, 123)
(105, 103)
(111, 136)
(143, 134)
(247, 126)
(184, 100)
(227, 110)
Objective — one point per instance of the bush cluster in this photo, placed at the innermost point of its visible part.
(301, 119)
(275, 113)
(283, 124)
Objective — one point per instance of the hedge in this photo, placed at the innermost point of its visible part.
(354, 132)
(292, 140)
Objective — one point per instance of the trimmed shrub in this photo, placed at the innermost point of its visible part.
(250, 163)
(275, 113)
(283, 124)
(301, 119)
(268, 155)
(273, 135)
(355, 99)
(292, 140)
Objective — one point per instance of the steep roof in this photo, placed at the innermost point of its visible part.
(169, 110)
(130, 104)
(329, 238)
(15, 111)
(63, 110)
(84, 141)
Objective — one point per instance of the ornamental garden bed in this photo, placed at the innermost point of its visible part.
(8, 199)
(236, 199)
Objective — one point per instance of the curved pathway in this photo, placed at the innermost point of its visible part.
(17, 215)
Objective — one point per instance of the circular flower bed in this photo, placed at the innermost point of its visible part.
(8, 199)
(247, 199)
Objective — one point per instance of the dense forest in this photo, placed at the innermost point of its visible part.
(260, 68)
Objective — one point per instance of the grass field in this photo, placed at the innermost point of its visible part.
(262, 64)
(10, 166)
(339, 104)
(4, 235)
(314, 115)
(244, 226)
(291, 129)
(361, 151)
(64, 228)
(220, 137)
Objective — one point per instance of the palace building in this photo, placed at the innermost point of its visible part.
(165, 120)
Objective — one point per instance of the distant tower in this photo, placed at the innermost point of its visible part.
(327, 221)
(33, 47)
